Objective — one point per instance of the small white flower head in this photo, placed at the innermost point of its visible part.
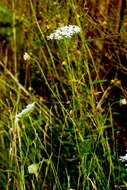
(28, 108)
(33, 168)
(123, 101)
(26, 56)
(64, 32)
(123, 158)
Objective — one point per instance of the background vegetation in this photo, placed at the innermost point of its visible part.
(73, 137)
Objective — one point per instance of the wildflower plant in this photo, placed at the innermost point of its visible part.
(64, 32)
(28, 108)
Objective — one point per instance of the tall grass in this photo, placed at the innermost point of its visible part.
(69, 139)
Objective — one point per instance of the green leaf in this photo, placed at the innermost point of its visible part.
(89, 41)
(99, 81)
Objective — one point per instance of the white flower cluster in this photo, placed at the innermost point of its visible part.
(28, 108)
(123, 101)
(26, 56)
(123, 158)
(64, 32)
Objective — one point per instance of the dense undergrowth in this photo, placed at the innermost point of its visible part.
(74, 134)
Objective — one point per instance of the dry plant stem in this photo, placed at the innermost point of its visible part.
(93, 184)
(15, 79)
(91, 85)
(103, 97)
(16, 145)
(97, 73)
(41, 32)
(120, 186)
(14, 163)
(119, 6)
(23, 89)
(13, 147)
(22, 184)
(27, 74)
(14, 37)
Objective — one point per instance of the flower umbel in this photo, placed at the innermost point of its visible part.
(123, 101)
(26, 56)
(64, 32)
(123, 158)
(28, 108)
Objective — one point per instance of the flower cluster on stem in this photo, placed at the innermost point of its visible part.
(64, 32)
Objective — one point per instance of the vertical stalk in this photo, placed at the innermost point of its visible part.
(14, 36)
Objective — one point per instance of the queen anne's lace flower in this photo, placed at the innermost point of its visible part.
(64, 32)
(26, 56)
(123, 158)
(28, 108)
(123, 101)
